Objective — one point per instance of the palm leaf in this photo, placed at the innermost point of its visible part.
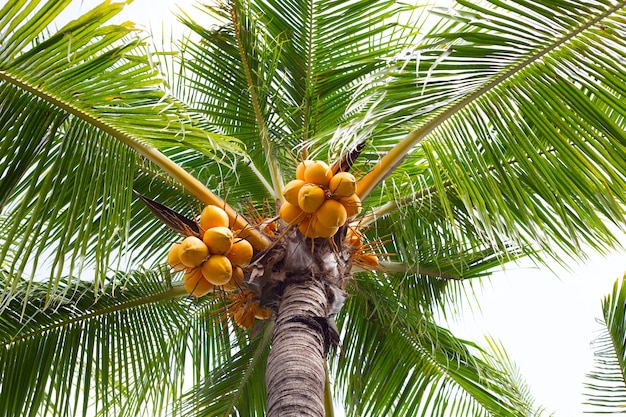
(96, 73)
(236, 386)
(265, 76)
(509, 106)
(606, 389)
(67, 206)
(91, 356)
(68, 132)
(395, 361)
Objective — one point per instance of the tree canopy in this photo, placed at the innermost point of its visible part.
(495, 134)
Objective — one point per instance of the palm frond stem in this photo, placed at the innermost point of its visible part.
(309, 64)
(277, 180)
(177, 291)
(394, 157)
(193, 185)
(400, 267)
(261, 177)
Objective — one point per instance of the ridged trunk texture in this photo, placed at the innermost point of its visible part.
(295, 369)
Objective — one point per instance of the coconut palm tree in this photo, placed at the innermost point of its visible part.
(494, 134)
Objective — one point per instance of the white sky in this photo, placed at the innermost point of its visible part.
(545, 322)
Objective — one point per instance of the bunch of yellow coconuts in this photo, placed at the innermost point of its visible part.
(215, 262)
(318, 201)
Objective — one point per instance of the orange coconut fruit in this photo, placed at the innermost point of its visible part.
(355, 239)
(291, 214)
(291, 190)
(173, 258)
(301, 168)
(213, 216)
(240, 253)
(219, 240)
(319, 230)
(196, 284)
(305, 227)
(192, 251)
(318, 172)
(236, 280)
(342, 184)
(352, 204)
(313, 229)
(262, 313)
(244, 317)
(331, 214)
(217, 269)
(311, 197)
(368, 259)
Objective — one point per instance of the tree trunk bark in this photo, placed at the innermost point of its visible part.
(295, 369)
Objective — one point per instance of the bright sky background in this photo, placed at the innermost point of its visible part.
(546, 321)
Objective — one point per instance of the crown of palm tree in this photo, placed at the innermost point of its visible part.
(498, 133)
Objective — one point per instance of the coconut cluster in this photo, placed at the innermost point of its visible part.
(318, 201)
(214, 260)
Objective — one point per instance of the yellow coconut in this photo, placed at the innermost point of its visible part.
(242, 233)
(236, 280)
(311, 197)
(173, 258)
(270, 228)
(331, 214)
(240, 253)
(291, 190)
(352, 204)
(213, 216)
(301, 168)
(244, 317)
(196, 284)
(319, 230)
(342, 184)
(311, 228)
(291, 214)
(217, 269)
(318, 172)
(192, 251)
(368, 259)
(219, 240)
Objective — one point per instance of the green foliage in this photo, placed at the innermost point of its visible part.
(606, 389)
(111, 355)
(515, 119)
(518, 125)
(395, 361)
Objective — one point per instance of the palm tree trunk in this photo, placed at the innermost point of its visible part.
(295, 369)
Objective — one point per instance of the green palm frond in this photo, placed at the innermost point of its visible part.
(71, 200)
(267, 77)
(395, 361)
(74, 103)
(517, 145)
(606, 389)
(111, 356)
(517, 121)
(97, 73)
(236, 386)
